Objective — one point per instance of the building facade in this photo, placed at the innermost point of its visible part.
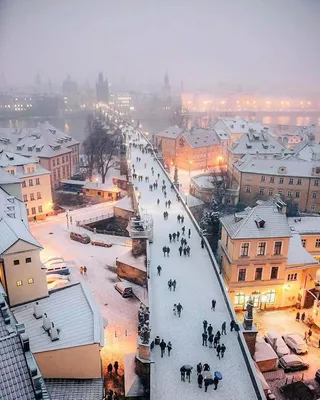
(261, 258)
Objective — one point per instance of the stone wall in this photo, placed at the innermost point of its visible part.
(131, 274)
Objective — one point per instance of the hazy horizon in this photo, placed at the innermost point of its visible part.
(266, 46)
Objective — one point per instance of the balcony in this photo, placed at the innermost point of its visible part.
(141, 227)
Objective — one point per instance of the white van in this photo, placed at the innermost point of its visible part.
(124, 289)
(277, 343)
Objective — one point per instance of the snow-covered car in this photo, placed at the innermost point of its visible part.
(277, 343)
(292, 363)
(296, 343)
(54, 277)
(58, 283)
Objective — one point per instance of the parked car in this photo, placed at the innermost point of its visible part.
(80, 237)
(58, 283)
(124, 289)
(100, 243)
(296, 343)
(277, 343)
(55, 277)
(292, 363)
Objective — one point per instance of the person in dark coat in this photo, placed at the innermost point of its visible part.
(213, 305)
(168, 250)
(303, 316)
(180, 250)
(170, 237)
(174, 284)
(164, 249)
(159, 269)
(215, 341)
(218, 335)
(116, 367)
(178, 235)
(169, 347)
(158, 201)
(163, 346)
(169, 203)
(183, 375)
(188, 250)
(178, 218)
(298, 317)
(179, 308)
(183, 229)
(174, 236)
(189, 233)
(210, 329)
(109, 368)
(182, 219)
(218, 351)
(210, 339)
(170, 284)
(202, 243)
(206, 367)
(223, 349)
(188, 373)
(199, 368)
(200, 380)
(205, 324)
(215, 382)
(185, 252)
(232, 325)
(204, 338)
(224, 328)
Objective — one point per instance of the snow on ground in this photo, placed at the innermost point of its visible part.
(120, 313)
(196, 287)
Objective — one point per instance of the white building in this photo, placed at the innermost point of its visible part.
(36, 183)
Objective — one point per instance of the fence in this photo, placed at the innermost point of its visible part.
(242, 343)
(95, 219)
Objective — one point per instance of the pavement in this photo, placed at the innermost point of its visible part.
(196, 287)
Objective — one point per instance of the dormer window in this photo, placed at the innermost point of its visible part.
(259, 222)
(282, 170)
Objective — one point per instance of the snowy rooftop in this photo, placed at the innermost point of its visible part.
(243, 224)
(204, 181)
(305, 225)
(72, 311)
(172, 132)
(264, 351)
(201, 138)
(125, 204)
(282, 167)
(261, 142)
(191, 200)
(235, 124)
(297, 254)
(136, 262)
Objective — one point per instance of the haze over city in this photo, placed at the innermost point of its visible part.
(265, 46)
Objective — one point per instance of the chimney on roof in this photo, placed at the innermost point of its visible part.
(37, 310)
(54, 334)
(25, 342)
(20, 328)
(5, 314)
(46, 323)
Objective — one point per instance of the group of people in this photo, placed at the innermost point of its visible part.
(165, 215)
(205, 375)
(83, 270)
(172, 285)
(112, 395)
(177, 308)
(166, 250)
(163, 345)
(214, 340)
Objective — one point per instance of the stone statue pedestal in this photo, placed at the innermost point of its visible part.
(143, 350)
(247, 323)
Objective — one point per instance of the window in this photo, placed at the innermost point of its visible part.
(262, 248)
(303, 242)
(314, 195)
(28, 260)
(37, 181)
(316, 182)
(271, 179)
(24, 184)
(248, 189)
(58, 161)
(318, 243)
(28, 170)
(62, 160)
(40, 209)
(31, 196)
(274, 273)
(33, 210)
(258, 274)
(25, 198)
(280, 192)
(312, 207)
(299, 181)
(289, 193)
(59, 176)
(242, 275)
(239, 299)
(53, 163)
(270, 192)
(12, 172)
(30, 182)
(54, 175)
(261, 191)
(63, 171)
(269, 297)
(290, 181)
(68, 170)
(39, 195)
(292, 277)
(28, 211)
(281, 180)
(19, 283)
(263, 178)
(67, 158)
(16, 262)
(30, 281)
(277, 248)
(244, 249)
(297, 195)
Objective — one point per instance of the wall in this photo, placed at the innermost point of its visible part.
(111, 196)
(198, 158)
(311, 243)
(168, 149)
(131, 273)
(44, 188)
(22, 272)
(82, 362)
(121, 213)
(13, 189)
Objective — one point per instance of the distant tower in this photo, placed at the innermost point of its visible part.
(102, 88)
(166, 90)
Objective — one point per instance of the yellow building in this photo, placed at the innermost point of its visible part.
(263, 259)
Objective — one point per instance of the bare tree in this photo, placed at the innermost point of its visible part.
(221, 184)
(180, 117)
(89, 147)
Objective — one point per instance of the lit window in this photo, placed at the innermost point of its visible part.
(30, 281)
(19, 283)
(269, 297)
(239, 299)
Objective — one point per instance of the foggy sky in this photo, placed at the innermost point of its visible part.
(261, 44)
